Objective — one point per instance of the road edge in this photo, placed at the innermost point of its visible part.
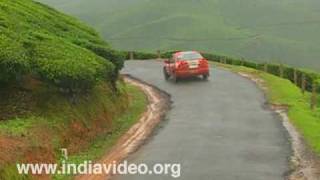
(303, 162)
(159, 103)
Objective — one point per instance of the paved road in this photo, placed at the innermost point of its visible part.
(217, 130)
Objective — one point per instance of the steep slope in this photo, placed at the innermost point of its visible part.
(59, 88)
(280, 31)
(39, 41)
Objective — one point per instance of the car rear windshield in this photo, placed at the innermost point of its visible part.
(189, 56)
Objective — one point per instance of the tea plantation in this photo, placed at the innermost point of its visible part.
(37, 41)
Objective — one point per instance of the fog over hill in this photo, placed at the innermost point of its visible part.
(285, 31)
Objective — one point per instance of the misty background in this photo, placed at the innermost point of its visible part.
(280, 31)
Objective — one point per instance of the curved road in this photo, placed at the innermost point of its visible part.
(217, 129)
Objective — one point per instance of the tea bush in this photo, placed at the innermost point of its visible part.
(39, 41)
(68, 66)
(13, 60)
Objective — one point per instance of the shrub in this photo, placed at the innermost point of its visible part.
(116, 57)
(68, 66)
(310, 77)
(260, 66)
(210, 57)
(274, 69)
(168, 54)
(60, 50)
(144, 55)
(13, 60)
(317, 82)
(139, 55)
(236, 62)
(288, 73)
(250, 64)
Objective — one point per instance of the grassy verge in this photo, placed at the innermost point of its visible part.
(103, 143)
(87, 126)
(282, 91)
(121, 124)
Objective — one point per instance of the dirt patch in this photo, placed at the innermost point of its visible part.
(40, 155)
(76, 137)
(159, 104)
(10, 148)
(79, 136)
(16, 103)
(305, 164)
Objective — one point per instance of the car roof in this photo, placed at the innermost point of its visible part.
(185, 52)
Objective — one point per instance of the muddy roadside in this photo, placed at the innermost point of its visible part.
(159, 103)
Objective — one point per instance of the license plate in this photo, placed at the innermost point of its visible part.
(193, 65)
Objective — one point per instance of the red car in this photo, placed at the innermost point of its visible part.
(186, 64)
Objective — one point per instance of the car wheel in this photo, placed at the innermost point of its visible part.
(205, 77)
(165, 74)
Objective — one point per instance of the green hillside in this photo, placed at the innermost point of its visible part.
(283, 31)
(37, 41)
(59, 88)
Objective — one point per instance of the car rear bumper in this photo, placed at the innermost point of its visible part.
(192, 72)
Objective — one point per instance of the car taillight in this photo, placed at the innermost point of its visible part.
(203, 63)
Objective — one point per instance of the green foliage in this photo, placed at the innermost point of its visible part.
(274, 69)
(288, 72)
(112, 113)
(212, 57)
(18, 126)
(10, 172)
(39, 41)
(116, 57)
(168, 54)
(59, 63)
(144, 55)
(260, 66)
(250, 64)
(317, 82)
(13, 60)
(122, 123)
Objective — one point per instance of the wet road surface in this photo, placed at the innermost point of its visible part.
(218, 129)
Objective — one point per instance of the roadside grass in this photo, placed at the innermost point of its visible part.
(17, 126)
(103, 143)
(284, 92)
(10, 172)
(87, 128)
